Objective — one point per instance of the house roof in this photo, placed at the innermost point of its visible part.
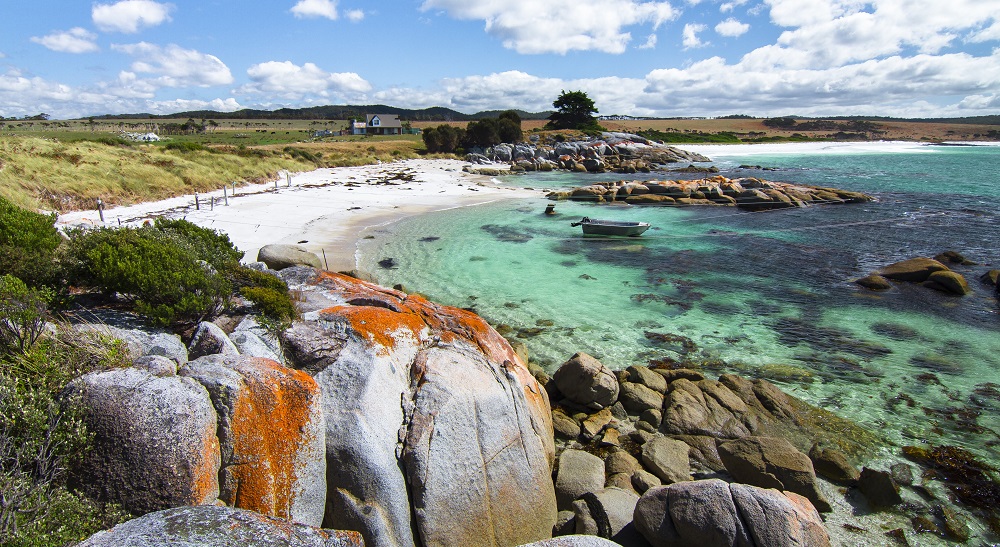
(385, 120)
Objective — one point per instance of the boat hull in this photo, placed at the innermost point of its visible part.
(612, 228)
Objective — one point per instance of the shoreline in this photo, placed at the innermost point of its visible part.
(325, 210)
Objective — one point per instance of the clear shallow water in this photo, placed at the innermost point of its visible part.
(761, 294)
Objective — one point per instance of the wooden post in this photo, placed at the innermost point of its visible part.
(275, 184)
(211, 202)
(234, 189)
(225, 196)
(100, 208)
(288, 179)
(324, 260)
(197, 205)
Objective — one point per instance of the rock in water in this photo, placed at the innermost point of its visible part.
(279, 257)
(915, 269)
(586, 381)
(218, 527)
(154, 440)
(949, 282)
(272, 436)
(425, 405)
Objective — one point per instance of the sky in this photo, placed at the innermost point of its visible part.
(677, 58)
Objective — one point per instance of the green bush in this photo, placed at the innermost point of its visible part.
(272, 304)
(23, 312)
(184, 146)
(28, 243)
(209, 245)
(155, 269)
(267, 292)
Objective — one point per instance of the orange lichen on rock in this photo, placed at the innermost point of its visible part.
(380, 327)
(269, 419)
(205, 475)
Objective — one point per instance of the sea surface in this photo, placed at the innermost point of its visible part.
(769, 295)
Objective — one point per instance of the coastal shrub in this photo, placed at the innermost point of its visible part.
(43, 435)
(268, 293)
(28, 243)
(23, 313)
(209, 245)
(483, 133)
(157, 270)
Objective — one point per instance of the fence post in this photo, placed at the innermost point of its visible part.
(197, 205)
(100, 209)
(288, 179)
(225, 196)
(211, 202)
(325, 262)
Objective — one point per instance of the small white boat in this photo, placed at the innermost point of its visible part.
(597, 227)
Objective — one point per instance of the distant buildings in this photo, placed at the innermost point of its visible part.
(374, 124)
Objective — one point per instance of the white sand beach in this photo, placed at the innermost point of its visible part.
(325, 210)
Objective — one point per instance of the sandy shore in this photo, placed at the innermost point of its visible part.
(325, 210)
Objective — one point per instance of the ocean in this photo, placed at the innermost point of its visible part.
(767, 294)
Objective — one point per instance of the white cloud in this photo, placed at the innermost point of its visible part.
(559, 26)
(355, 15)
(650, 42)
(690, 36)
(730, 6)
(129, 16)
(74, 40)
(293, 82)
(175, 66)
(315, 8)
(732, 28)
(829, 33)
(988, 34)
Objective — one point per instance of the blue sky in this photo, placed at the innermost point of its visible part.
(905, 58)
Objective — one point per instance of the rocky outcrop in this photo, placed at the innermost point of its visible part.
(747, 193)
(931, 272)
(612, 151)
(141, 343)
(279, 256)
(218, 527)
(272, 436)
(713, 513)
(155, 443)
(434, 426)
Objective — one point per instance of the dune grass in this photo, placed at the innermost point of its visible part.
(46, 174)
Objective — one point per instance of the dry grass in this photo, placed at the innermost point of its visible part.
(39, 173)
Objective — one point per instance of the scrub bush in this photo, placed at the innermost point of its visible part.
(23, 312)
(28, 243)
(168, 270)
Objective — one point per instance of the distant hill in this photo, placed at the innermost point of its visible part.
(330, 112)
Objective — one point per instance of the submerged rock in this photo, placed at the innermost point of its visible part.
(915, 269)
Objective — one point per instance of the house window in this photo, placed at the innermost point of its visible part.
(375, 122)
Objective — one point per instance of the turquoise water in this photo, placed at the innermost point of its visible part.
(762, 294)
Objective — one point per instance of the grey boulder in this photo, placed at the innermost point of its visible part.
(155, 443)
(210, 339)
(667, 459)
(579, 473)
(772, 462)
(586, 381)
(713, 513)
(279, 257)
(218, 527)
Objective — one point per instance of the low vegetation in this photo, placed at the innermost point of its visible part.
(172, 272)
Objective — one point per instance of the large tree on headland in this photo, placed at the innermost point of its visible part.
(574, 110)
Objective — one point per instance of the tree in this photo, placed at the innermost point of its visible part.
(509, 127)
(574, 110)
(483, 133)
(443, 138)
